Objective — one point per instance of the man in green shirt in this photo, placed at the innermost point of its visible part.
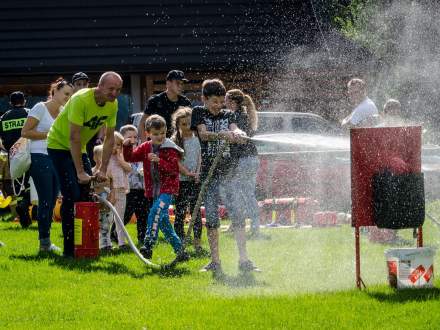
(84, 114)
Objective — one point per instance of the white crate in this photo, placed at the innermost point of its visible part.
(410, 267)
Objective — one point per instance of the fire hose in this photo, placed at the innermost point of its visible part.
(130, 241)
(194, 214)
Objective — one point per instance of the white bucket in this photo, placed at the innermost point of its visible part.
(410, 267)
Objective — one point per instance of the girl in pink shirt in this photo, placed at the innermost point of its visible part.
(118, 170)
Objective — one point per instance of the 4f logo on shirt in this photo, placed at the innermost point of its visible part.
(95, 122)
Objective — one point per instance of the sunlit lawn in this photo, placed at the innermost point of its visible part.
(307, 282)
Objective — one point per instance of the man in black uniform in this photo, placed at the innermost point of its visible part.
(11, 124)
(167, 102)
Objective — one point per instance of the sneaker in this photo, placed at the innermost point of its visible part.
(2, 244)
(124, 247)
(248, 266)
(182, 256)
(108, 248)
(212, 267)
(147, 253)
(49, 248)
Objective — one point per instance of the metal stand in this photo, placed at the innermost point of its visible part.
(359, 282)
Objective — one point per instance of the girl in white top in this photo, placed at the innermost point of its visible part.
(36, 127)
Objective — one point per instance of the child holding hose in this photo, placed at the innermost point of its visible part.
(160, 157)
(215, 127)
(189, 185)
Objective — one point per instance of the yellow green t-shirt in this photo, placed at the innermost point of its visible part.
(83, 111)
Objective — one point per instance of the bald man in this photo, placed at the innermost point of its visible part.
(83, 116)
(365, 112)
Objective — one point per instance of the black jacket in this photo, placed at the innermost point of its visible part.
(11, 124)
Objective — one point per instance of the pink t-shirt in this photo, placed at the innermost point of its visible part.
(117, 173)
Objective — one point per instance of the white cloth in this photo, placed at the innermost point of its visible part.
(364, 110)
(45, 121)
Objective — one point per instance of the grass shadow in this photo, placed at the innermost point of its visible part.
(204, 254)
(19, 228)
(171, 272)
(100, 265)
(241, 280)
(406, 295)
(82, 265)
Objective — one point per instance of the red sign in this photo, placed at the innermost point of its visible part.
(374, 150)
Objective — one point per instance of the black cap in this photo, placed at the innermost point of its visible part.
(16, 98)
(176, 75)
(79, 76)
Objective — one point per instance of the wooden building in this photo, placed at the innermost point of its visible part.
(244, 42)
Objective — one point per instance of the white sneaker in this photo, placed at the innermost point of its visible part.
(50, 248)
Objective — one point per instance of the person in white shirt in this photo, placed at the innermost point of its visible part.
(36, 127)
(365, 113)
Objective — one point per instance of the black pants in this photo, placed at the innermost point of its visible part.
(188, 193)
(138, 204)
(23, 202)
(71, 190)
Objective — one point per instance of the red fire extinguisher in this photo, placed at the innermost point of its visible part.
(86, 234)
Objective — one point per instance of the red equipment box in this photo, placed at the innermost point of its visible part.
(86, 232)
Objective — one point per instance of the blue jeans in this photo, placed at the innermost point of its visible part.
(211, 200)
(45, 179)
(159, 219)
(241, 202)
(71, 190)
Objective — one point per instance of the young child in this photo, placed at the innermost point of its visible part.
(215, 125)
(160, 157)
(117, 171)
(103, 190)
(137, 203)
(189, 185)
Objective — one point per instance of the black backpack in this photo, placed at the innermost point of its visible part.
(398, 200)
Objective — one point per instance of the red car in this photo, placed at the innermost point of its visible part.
(303, 155)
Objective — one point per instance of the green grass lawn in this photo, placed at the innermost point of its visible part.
(307, 282)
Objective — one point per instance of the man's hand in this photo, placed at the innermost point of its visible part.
(100, 176)
(83, 178)
(152, 157)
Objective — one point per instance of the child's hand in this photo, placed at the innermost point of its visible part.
(120, 157)
(240, 136)
(152, 157)
(226, 135)
(129, 142)
(112, 197)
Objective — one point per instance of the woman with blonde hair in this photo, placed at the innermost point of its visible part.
(42, 171)
(243, 172)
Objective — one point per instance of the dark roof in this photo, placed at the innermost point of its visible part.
(139, 36)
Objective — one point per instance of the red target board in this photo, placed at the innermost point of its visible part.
(374, 150)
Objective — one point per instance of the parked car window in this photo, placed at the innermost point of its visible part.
(270, 124)
(307, 125)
